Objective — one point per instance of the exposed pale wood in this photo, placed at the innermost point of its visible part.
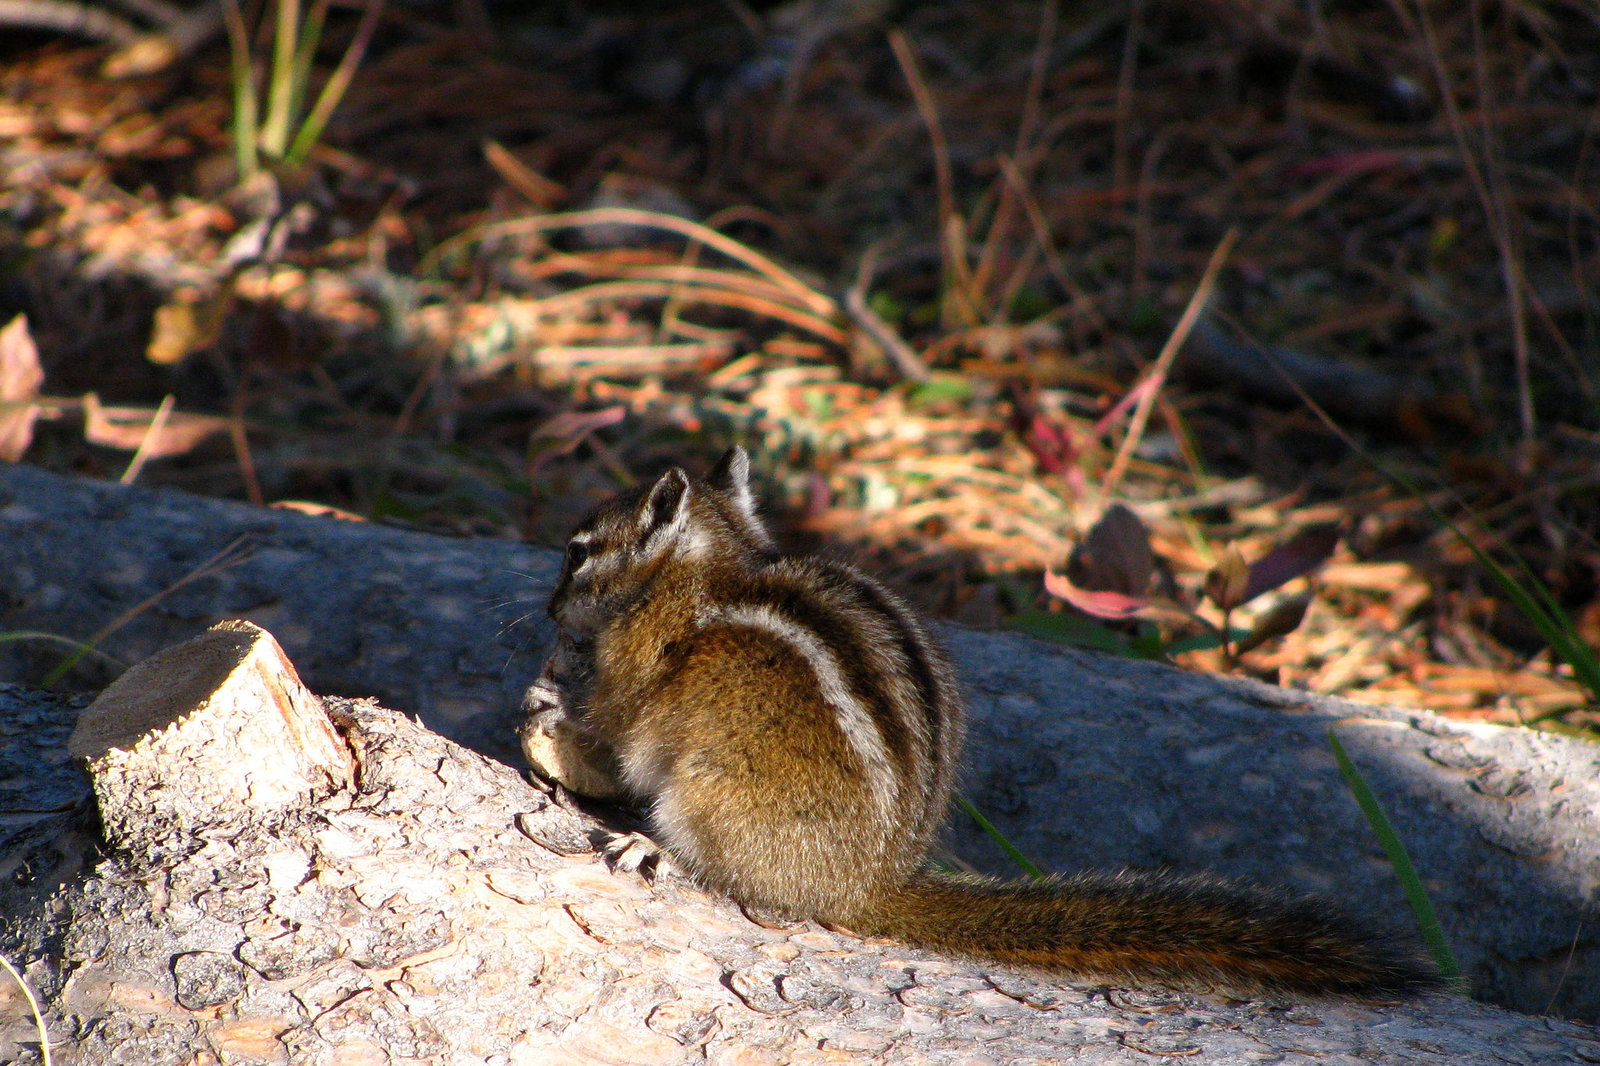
(212, 727)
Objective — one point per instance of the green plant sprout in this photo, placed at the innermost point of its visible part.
(288, 132)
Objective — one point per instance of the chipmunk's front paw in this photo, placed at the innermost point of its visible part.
(632, 853)
(544, 699)
(560, 749)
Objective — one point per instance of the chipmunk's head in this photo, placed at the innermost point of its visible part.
(621, 548)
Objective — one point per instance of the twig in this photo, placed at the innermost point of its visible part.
(802, 293)
(1048, 14)
(1141, 212)
(908, 362)
(1494, 208)
(1058, 269)
(952, 227)
(618, 290)
(683, 274)
(1005, 209)
(534, 186)
(236, 552)
(633, 358)
(1158, 372)
(33, 1005)
(1130, 64)
(241, 441)
(65, 16)
(912, 70)
(181, 33)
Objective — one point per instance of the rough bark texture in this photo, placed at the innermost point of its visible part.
(1149, 766)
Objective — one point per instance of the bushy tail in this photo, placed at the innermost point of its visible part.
(1142, 928)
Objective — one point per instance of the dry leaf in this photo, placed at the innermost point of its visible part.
(319, 510)
(182, 327)
(20, 378)
(1283, 619)
(1227, 581)
(127, 428)
(1283, 564)
(1115, 555)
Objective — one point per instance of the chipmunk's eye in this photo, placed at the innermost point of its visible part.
(577, 554)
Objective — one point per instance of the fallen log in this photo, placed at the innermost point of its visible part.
(291, 880)
(1084, 761)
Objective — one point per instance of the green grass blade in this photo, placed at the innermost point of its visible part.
(1572, 650)
(79, 650)
(305, 57)
(280, 80)
(246, 118)
(1538, 606)
(338, 82)
(1416, 894)
(1546, 616)
(999, 838)
(1070, 629)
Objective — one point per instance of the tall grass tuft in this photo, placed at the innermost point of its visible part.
(288, 131)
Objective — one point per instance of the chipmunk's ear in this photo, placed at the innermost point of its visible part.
(732, 472)
(663, 510)
(731, 478)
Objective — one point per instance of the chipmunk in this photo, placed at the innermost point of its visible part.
(795, 732)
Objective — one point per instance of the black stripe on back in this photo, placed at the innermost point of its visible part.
(914, 650)
(828, 615)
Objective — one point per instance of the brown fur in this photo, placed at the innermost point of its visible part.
(796, 733)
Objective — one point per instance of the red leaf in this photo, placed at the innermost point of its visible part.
(1049, 442)
(1115, 606)
(1288, 561)
(20, 378)
(1102, 604)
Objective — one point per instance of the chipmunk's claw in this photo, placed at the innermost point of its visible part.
(632, 853)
